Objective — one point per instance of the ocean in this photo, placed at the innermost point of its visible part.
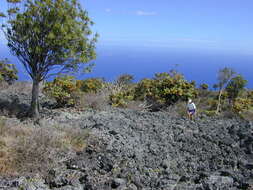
(143, 62)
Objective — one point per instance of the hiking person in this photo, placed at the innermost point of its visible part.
(191, 109)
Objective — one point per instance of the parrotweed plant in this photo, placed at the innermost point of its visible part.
(62, 89)
(164, 88)
(91, 85)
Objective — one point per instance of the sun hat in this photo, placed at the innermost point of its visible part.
(190, 100)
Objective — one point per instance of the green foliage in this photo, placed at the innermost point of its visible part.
(250, 95)
(50, 33)
(166, 88)
(242, 104)
(235, 86)
(121, 98)
(92, 85)
(8, 72)
(49, 36)
(2, 14)
(144, 88)
(125, 79)
(204, 86)
(224, 76)
(62, 89)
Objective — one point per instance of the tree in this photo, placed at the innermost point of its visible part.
(235, 86)
(204, 86)
(125, 79)
(49, 36)
(224, 77)
(8, 72)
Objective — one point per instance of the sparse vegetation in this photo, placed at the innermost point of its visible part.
(30, 150)
(49, 37)
(91, 85)
(224, 77)
(142, 149)
(8, 72)
(62, 89)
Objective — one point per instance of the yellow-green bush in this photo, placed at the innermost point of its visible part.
(8, 72)
(121, 98)
(62, 89)
(242, 104)
(165, 88)
(91, 85)
(204, 86)
(250, 95)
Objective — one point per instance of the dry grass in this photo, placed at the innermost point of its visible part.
(32, 150)
(96, 101)
(178, 109)
(99, 100)
(19, 87)
(3, 85)
(247, 115)
(113, 88)
(138, 105)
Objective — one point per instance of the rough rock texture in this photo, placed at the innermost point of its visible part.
(133, 150)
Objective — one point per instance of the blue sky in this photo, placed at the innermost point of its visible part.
(222, 25)
(218, 25)
(143, 37)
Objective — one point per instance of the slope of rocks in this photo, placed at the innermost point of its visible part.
(135, 150)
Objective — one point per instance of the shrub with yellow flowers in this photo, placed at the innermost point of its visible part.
(242, 104)
(62, 89)
(166, 88)
(91, 85)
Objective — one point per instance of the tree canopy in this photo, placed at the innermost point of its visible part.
(49, 36)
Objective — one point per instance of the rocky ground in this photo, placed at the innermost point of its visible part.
(134, 150)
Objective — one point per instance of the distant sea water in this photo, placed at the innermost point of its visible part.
(142, 62)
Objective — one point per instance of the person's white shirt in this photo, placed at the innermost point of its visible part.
(191, 106)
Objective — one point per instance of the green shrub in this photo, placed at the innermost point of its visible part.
(121, 98)
(92, 85)
(62, 89)
(165, 88)
(235, 86)
(125, 79)
(204, 86)
(242, 104)
(8, 72)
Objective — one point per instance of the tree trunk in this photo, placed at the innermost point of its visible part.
(219, 102)
(35, 100)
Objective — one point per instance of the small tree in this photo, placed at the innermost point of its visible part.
(49, 36)
(8, 72)
(125, 79)
(224, 77)
(204, 86)
(235, 86)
